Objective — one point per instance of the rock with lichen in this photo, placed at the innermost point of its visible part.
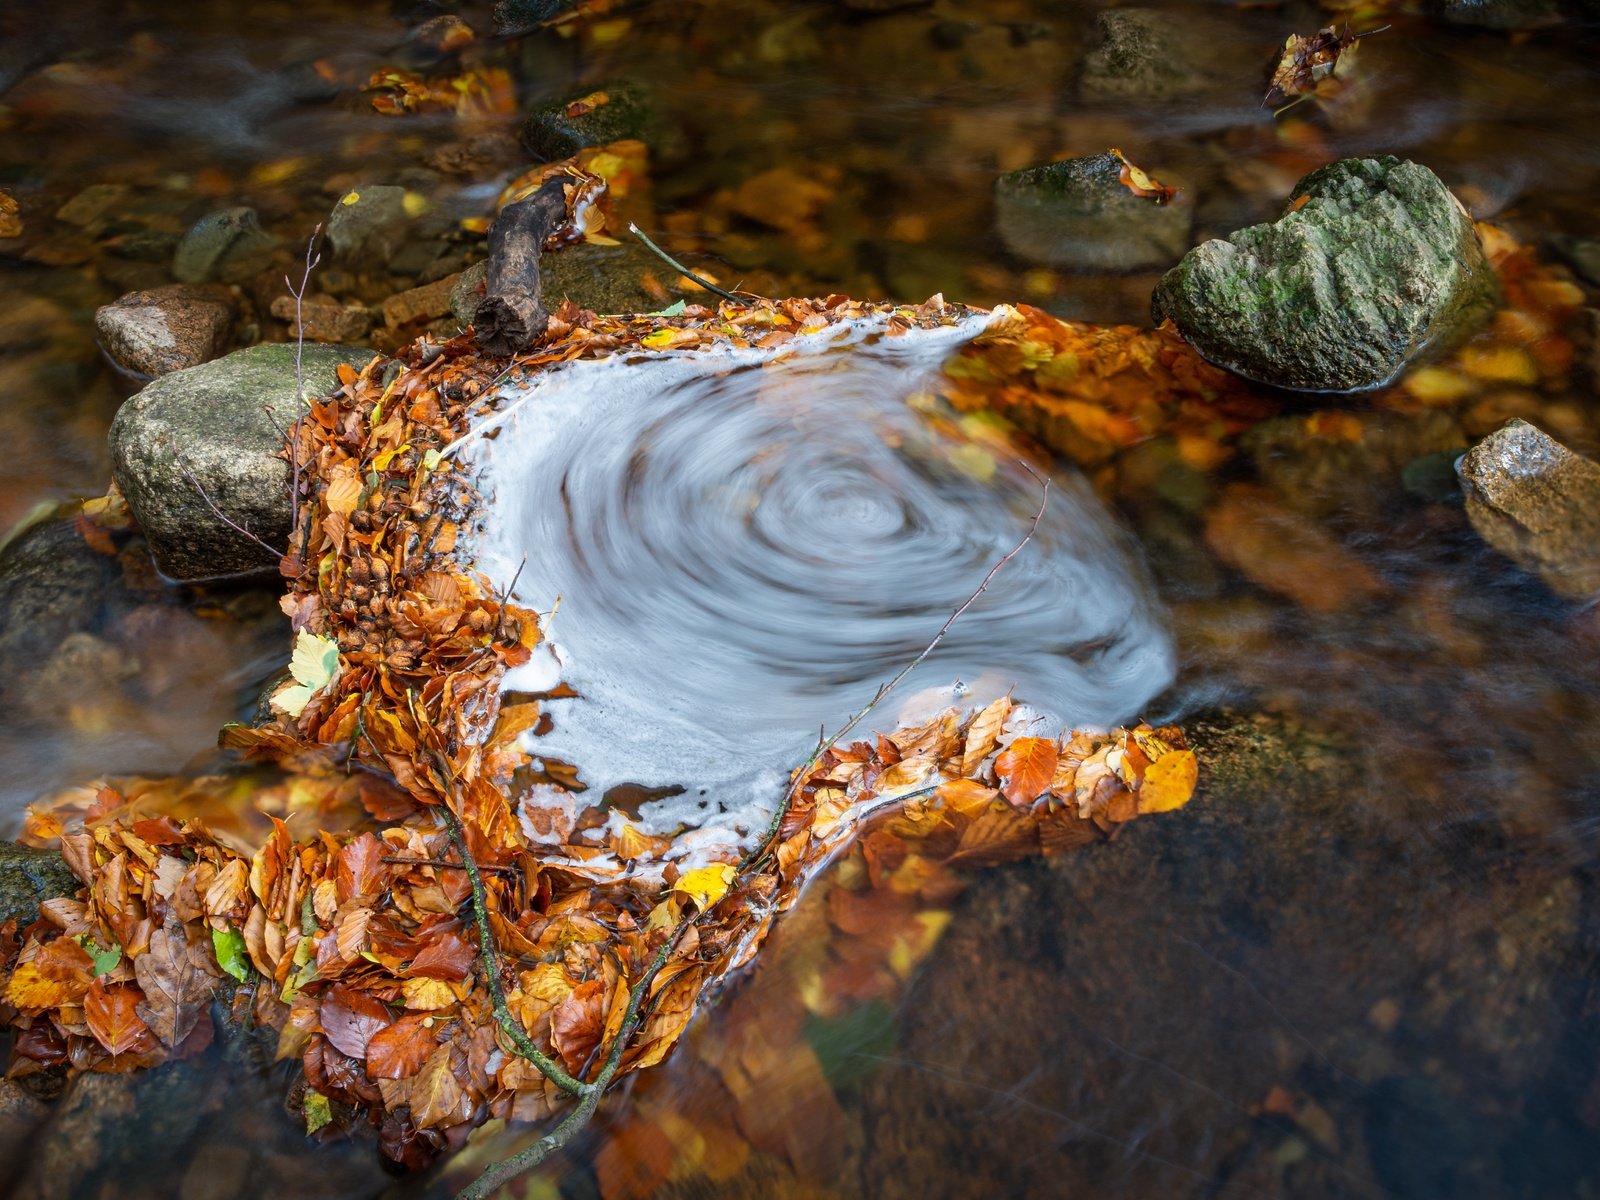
(1373, 264)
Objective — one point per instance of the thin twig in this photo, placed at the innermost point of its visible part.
(299, 360)
(199, 488)
(678, 266)
(552, 1070)
(508, 1169)
(445, 863)
(827, 744)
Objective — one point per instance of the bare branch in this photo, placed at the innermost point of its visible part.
(678, 266)
(200, 490)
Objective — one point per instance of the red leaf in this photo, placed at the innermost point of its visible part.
(399, 1051)
(350, 1018)
(361, 870)
(577, 1023)
(447, 955)
(1026, 768)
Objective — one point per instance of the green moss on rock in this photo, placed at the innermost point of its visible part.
(1373, 264)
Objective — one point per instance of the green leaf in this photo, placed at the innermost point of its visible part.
(432, 459)
(672, 310)
(104, 960)
(314, 665)
(318, 1112)
(231, 956)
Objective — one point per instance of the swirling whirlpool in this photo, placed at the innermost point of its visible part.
(745, 548)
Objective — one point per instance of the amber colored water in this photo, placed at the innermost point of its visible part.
(1364, 962)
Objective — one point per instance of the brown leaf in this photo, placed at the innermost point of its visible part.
(361, 870)
(399, 1051)
(1026, 768)
(112, 1016)
(350, 1018)
(577, 1022)
(227, 889)
(984, 734)
(176, 988)
(447, 955)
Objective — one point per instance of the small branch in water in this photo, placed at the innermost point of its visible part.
(513, 314)
(827, 744)
(552, 1070)
(441, 862)
(183, 469)
(678, 266)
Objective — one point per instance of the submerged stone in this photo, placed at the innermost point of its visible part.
(581, 119)
(1373, 264)
(211, 435)
(1149, 55)
(1537, 503)
(214, 238)
(1078, 213)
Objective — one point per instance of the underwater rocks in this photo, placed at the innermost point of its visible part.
(212, 436)
(29, 876)
(1373, 263)
(1080, 214)
(1537, 503)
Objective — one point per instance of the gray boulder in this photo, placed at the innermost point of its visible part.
(368, 224)
(1537, 503)
(204, 437)
(1078, 214)
(1373, 263)
(166, 329)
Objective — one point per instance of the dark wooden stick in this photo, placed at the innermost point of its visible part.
(512, 314)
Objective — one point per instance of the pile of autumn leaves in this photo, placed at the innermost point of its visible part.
(358, 947)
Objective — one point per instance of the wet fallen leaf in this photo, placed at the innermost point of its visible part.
(1026, 768)
(176, 988)
(112, 1015)
(1136, 181)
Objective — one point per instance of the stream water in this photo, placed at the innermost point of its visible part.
(1365, 961)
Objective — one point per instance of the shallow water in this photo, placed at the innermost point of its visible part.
(1385, 905)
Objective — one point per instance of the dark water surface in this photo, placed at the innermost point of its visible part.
(1365, 961)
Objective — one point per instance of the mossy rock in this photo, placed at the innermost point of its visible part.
(1373, 264)
(29, 876)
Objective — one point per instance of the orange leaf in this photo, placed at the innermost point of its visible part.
(399, 1051)
(112, 1016)
(1026, 768)
(984, 734)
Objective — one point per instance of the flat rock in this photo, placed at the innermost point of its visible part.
(210, 435)
(1079, 214)
(1373, 264)
(166, 329)
(1537, 503)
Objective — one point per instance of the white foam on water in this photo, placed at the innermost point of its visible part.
(747, 544)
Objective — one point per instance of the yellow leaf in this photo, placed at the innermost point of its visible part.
(350, 198)
(1169, 782)
(706, 885)
(423, 993)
